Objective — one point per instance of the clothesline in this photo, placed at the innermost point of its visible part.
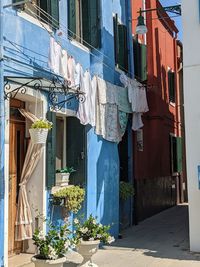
(68, 37)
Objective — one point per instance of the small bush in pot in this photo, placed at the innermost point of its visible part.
(88, 235)
(71, 197)
(65, 170)
(52, 246)
(42, 124)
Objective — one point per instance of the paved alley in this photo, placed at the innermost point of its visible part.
(161, 241)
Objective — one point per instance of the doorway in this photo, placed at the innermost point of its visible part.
(17, 148)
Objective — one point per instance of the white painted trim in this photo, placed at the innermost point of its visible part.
(6, 181)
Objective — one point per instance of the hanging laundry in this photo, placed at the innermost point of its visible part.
(64, 64)
(122, 99)
(83, 110)
(123, 120)
(54, 56)
(71, 71)
(78, 75)
(137, 98)
(107, 119)
(107, 92)
(92, 101)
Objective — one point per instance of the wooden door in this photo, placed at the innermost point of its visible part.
(16, 160)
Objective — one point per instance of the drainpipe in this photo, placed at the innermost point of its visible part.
(3, 252)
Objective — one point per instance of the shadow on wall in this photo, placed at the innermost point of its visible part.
(108, 185)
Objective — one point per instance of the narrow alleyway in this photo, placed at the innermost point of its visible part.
(161, 241)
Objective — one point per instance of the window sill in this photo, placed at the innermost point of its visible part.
(79, 45)
(35, 21)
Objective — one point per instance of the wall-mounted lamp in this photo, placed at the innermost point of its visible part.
(141, 28)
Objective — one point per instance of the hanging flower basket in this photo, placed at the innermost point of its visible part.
(39, 131)
(38, 136)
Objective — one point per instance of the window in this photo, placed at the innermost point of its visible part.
(47, 10)
(176, 154)
(66, 146)
(120, 43)
(140, 60)
(171, 86)
(84, 21)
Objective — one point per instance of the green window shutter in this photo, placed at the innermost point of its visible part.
(76, 150)
(179, 154)
(116, 38)
(143, 62)
(123, 49)
(72, 18)
(136, 53)
(91, 22)
(171, 86)
(51, 152)
(54, 12)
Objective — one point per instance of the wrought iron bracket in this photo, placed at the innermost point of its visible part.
(172, 9)
(60, 93)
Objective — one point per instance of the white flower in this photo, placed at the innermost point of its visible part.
(100, 225)
(98, 236)
(52, 253)
(41, 235)
(91, 239)
(111, 239)
(94, 221)
(67, 244)
(76, 221)
(84, 230)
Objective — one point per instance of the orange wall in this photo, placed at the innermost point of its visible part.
(163, 117)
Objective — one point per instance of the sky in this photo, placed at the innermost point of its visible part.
(177, 20)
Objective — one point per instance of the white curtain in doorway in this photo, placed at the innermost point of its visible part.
(23, 224)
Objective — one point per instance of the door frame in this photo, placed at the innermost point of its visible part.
(30, 99)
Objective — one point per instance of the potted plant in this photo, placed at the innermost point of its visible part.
(88, 236)
(126, 190)
(63, 175)
(39, 131)
(70, 197)
(52, 246)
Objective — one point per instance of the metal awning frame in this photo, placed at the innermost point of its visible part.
(59, 91)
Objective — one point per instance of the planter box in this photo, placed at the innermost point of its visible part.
(62, 179)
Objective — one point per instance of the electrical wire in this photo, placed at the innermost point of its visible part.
(67, 30)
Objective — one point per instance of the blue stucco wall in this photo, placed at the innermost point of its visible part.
(26, 48)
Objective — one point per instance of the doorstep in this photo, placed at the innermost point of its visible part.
(21, 260)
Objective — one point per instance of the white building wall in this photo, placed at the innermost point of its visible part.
(191, 59)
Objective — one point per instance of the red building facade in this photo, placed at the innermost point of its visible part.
(158, 161)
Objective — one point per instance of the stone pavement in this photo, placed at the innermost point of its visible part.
(160, 241)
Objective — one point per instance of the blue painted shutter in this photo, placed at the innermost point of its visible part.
(72, 18)
(51, 151)
(91, 22)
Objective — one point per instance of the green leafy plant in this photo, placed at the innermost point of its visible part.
(70, 197)
(42, 124)
(126, 190)
(54, 244)
(91, 230)
(66, 170)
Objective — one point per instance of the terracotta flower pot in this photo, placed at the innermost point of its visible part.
(45, 263)
(87, 249)
(38, 136)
